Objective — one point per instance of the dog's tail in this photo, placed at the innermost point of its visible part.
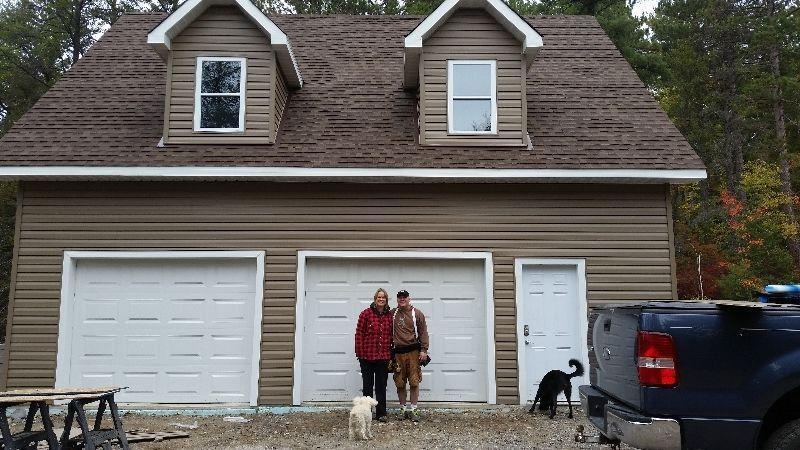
(578, 368)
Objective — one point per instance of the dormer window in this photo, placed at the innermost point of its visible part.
(219, 102)
(472, 97)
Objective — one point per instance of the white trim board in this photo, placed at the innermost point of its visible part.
(304, 255)
(364, 175)
(519, 264)
(507, 17)
(160, 38)
(71, 258)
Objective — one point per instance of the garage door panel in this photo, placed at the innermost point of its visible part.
(138, 348)
(460, 346)
(178, 330)
(331, 348)
(333, 309)
(332, 382)
(229, 347)
(456, 383)
(368, 277)
(230, 311)
(451, 293)
(465, 310)
(334, 276)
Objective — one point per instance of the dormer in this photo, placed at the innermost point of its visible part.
(229, 73)
(469, 61)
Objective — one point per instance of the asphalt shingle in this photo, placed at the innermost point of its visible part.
(586, 107)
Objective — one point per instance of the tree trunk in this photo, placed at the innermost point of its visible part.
(733, 144)
(75, 32)
(732, 141)
(780, 139)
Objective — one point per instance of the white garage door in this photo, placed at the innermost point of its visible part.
(451, 293)
(173, 330)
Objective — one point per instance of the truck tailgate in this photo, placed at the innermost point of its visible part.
(614, 341)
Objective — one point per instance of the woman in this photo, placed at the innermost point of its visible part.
(374, 349)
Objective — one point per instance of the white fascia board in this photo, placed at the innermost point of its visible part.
(365, 175)
(431, 23)
(531, 40)
(161, 36)
(497, 8)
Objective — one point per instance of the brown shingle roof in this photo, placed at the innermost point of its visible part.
(586, 107)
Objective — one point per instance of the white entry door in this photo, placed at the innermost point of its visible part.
(451, 293)
(172, 330)
(553, 317)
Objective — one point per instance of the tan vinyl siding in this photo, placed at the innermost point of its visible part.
(221, 31)
(622, 231)
(472, 34)
(281, 98)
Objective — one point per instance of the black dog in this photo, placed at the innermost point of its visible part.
(553, 383)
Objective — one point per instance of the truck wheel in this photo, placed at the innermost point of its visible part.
(786, 437)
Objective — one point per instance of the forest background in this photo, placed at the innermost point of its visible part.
(727, 72)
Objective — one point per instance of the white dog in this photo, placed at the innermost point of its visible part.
(361, 418)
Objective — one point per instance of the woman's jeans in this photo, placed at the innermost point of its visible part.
(373, 373)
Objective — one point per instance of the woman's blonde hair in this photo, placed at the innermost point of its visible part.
(385, 294)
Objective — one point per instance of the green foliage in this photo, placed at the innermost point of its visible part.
(743, 245)
(31, 59)
(763, 230)
(725, 93)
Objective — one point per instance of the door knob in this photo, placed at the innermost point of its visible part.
(527, 342)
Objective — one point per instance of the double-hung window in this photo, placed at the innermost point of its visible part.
(220, 94)
(472, 97)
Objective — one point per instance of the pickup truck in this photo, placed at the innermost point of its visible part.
(696, 375)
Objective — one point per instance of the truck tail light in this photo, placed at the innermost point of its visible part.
(656, 359)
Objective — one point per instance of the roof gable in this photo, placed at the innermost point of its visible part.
(160, 38)
(530, 39)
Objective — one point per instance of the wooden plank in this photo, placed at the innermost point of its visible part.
(149, 436)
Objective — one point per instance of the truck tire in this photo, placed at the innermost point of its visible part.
(787, 437)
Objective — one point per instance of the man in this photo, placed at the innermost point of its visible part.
(410, 337)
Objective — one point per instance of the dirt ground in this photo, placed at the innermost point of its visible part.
(509, 428)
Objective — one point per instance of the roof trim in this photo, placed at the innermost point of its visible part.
(367, 175)
(160, 38)
(513, 22)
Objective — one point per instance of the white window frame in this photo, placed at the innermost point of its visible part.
(198, 86)
(450, 97)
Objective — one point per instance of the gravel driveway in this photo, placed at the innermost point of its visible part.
(497, 428)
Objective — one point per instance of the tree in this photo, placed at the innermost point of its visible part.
(74, 22)
(775, 89)
(701, 44)
(31, 60)
(166, 6)
(616, 17)
(108, 11)
(334, 6)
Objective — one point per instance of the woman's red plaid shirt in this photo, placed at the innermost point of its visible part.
(374, 335)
